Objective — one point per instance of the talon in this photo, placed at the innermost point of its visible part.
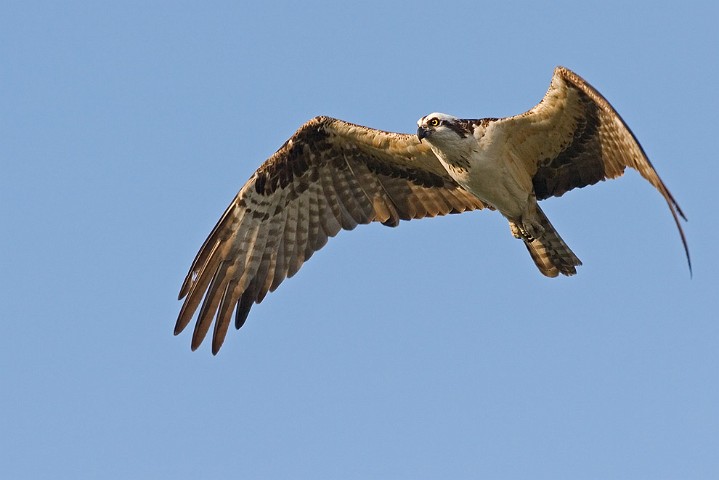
(529, 232)
(516, 232)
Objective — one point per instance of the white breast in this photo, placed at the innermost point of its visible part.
(487, 176)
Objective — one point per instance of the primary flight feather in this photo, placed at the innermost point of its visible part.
(332, 175)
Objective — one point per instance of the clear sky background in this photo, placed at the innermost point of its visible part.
(433, 350)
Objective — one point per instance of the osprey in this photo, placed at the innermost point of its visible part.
(332, 175)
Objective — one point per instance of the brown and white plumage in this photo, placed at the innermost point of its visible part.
(332, 175)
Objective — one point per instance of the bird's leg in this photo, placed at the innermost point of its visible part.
(527, 227)
(526, 230)
(516, 230)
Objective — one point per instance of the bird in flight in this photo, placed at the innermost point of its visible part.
(333, 175)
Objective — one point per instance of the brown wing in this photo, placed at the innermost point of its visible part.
(574, 138)
(330, 175)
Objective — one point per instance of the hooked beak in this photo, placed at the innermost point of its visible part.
(422, 132)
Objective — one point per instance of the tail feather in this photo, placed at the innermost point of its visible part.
(549, 252)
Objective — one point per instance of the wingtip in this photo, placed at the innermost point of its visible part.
(676, 210)
(185, 288)
(242, 310)
(183, 319)
(680, 212)
(196, 342)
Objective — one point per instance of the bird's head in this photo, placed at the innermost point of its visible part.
(440, 128)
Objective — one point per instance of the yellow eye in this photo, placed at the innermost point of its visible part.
(434, 122)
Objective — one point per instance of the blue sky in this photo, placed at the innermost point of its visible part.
(434, 350)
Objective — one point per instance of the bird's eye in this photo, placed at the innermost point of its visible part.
(434, 122)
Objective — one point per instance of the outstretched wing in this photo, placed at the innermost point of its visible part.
(330, 175)
(574, 138)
